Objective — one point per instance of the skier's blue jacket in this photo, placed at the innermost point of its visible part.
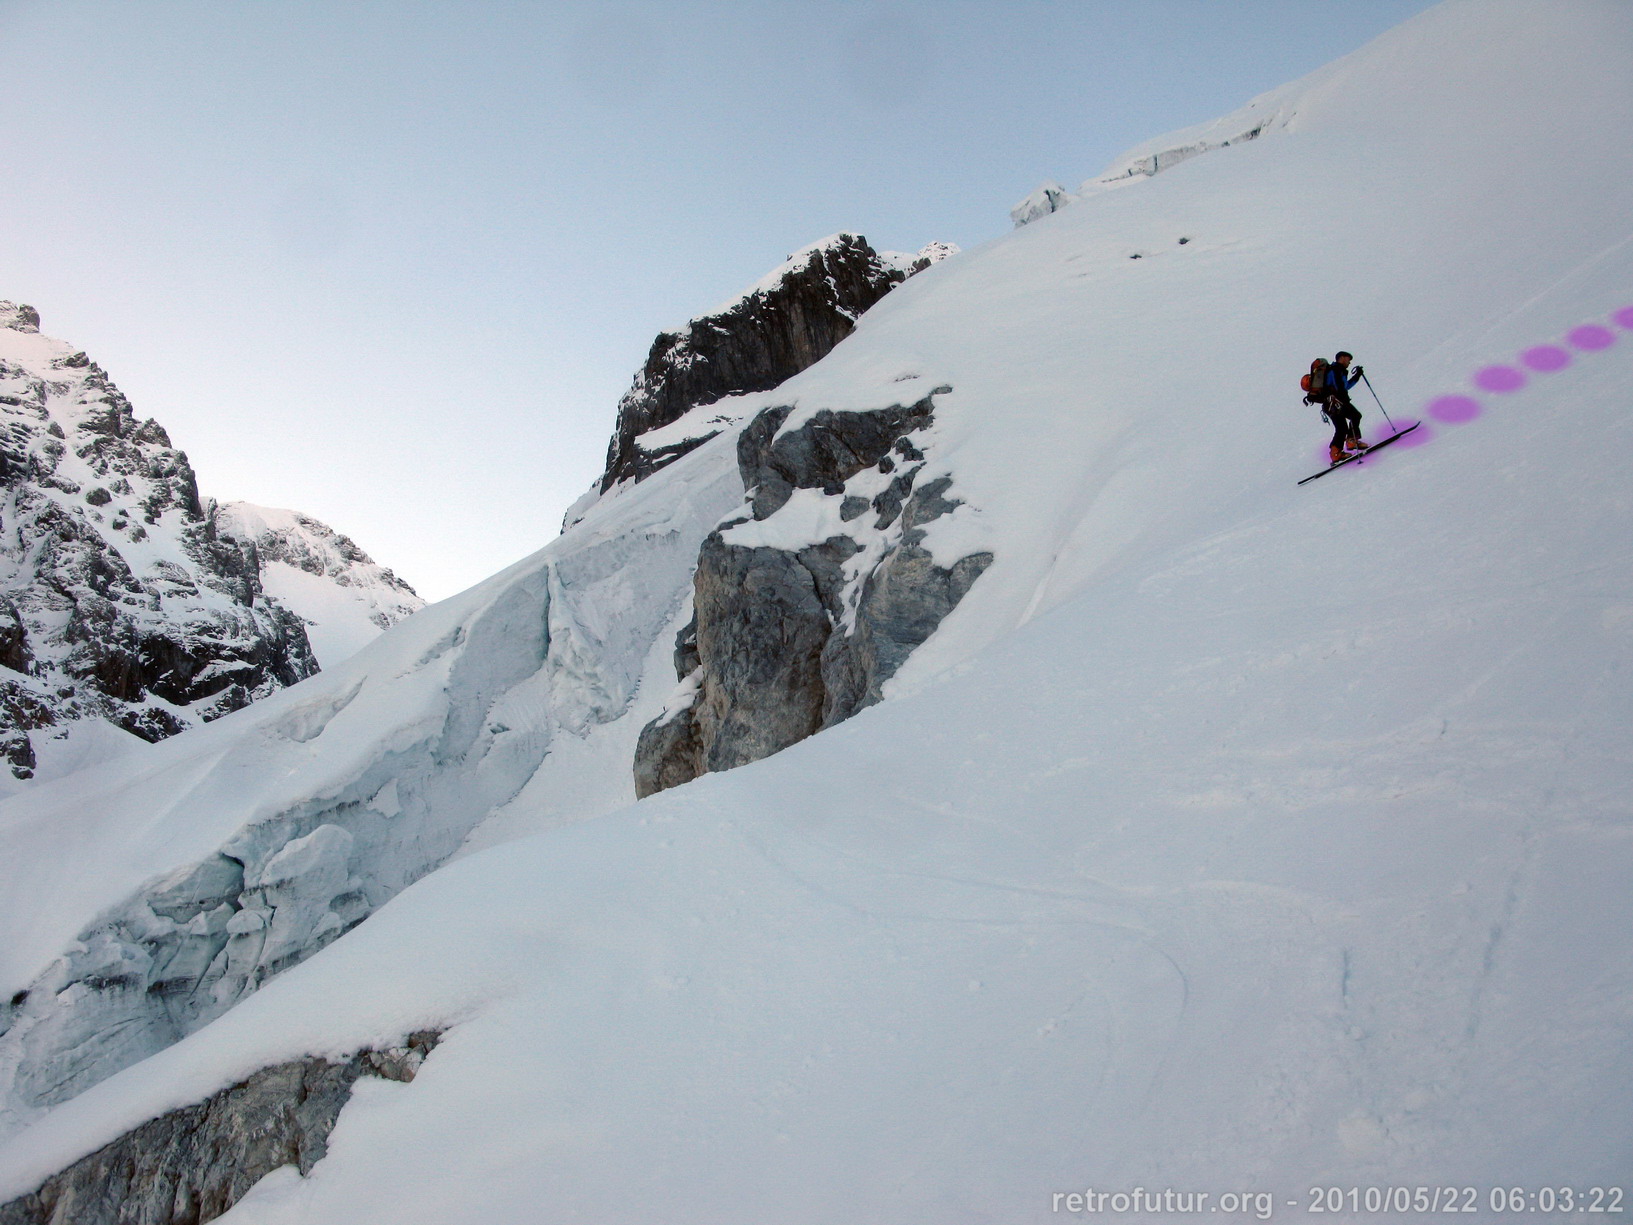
(1336, 386)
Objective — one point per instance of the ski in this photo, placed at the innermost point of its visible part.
(1350, 459)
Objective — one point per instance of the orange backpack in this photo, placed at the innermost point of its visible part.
(1314, 384)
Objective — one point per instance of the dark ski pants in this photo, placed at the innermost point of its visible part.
(1346, 421)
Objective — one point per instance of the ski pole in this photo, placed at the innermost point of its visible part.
(1381, 407)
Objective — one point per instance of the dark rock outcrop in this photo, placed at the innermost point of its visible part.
(768, 335)
(193, 1164)
(786, 642)
(122, 602)
(901, 603)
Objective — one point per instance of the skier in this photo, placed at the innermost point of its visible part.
(1328, 384)
(1335, 403)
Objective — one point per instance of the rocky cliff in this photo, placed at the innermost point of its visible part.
(191, 1165)
(125, 600)
(808, 600)
(119, 600)
(785, 642)
(786, 322)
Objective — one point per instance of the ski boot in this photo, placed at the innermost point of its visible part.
(1335, 453)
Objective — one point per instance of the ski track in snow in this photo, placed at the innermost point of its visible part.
(1545, 358)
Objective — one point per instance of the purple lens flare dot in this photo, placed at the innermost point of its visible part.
(1590, 338)
(1454, 410)
(1499, 378)
(1417, 437)
(1546, 358)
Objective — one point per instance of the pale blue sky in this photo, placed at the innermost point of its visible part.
(393, 263)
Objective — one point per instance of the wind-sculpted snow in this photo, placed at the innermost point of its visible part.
(334, 798)
(1270, 113)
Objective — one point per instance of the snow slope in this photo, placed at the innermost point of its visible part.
(1228, 836)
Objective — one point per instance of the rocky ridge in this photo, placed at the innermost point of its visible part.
(785, 642)
(120, 600)
(192, 1165)
(783, 324)
(125, 599)
(344, 596)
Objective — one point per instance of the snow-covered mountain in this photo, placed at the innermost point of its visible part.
(344, 597)
(129, 609)
(123, 604)
(1222, 836)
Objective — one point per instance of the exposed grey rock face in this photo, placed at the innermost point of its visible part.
(19, 317)
(786, 642)
(191, 1165)
(901, 603)
(783, 325)
(118, 599)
